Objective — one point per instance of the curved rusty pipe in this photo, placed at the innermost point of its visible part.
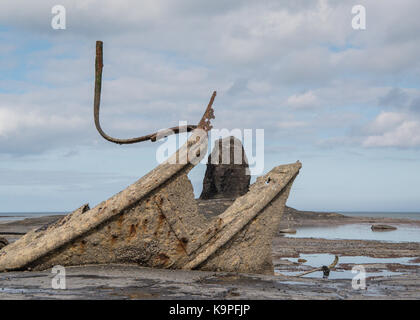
(203, 124)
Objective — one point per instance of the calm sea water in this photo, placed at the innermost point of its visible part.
(13, 216)
(359, 231)
(363, 231)
(379, 214)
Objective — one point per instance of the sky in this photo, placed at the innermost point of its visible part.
(344, 102)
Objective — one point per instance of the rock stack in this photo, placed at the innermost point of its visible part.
(227, 174)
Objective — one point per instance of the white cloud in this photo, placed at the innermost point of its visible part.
(163, 59)
(386, 121)
(303, 100)
(294, 68)
(11, 122)
(393, 130)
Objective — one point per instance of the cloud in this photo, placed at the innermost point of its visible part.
(302, 101)
(395, 96)
(391, 129)
(55, 178)
(163, 60)
(11, 122)
(296, 69)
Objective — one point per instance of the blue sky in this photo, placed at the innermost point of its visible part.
(344, 102)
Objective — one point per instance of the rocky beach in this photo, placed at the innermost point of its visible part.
(391, 263)
(394, 268)
(209, 150)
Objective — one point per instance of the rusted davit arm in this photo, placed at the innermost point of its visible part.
(154, 136)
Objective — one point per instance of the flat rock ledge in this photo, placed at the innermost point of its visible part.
(382, 227)
(133, 282)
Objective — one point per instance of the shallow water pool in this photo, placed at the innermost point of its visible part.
(321, 259)
(361, 231)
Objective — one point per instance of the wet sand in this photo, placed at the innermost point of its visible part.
(134, 282)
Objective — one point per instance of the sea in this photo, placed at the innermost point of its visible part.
(363, 231)
(13, 216)
(381, 214)
(358, 231)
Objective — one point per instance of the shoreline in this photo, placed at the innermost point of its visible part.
(292, 218)
(116, 282)
(89, 282)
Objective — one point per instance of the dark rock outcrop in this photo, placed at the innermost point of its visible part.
(227, 173)
(3, 242)
(382, 227)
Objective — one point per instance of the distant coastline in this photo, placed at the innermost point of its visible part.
(14, 216)
(380, 214)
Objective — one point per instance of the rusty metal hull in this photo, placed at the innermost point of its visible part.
(155, 223)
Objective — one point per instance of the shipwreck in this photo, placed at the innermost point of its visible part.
(156, 222)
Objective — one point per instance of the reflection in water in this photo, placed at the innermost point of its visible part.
(318, 260)
(341, 274)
